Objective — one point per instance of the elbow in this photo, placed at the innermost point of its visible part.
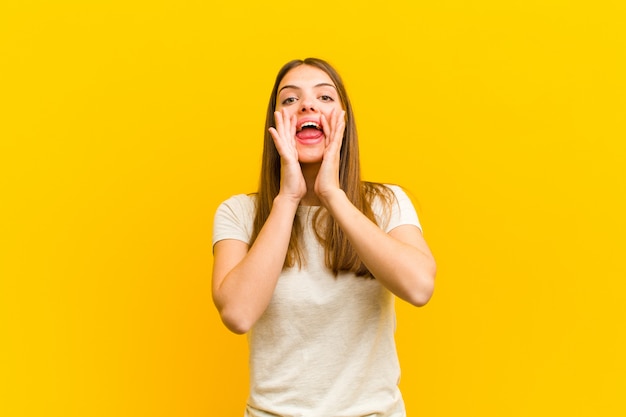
(420, 298)
(235, 318)
(423, 289)
(236, 322)
(237, 328)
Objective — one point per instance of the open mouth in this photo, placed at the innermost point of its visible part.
(309, 130)
(309, 125)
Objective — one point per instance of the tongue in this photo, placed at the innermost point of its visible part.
(309, 133)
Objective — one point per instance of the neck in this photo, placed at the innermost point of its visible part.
(309, 172)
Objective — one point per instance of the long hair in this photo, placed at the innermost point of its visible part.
(339, 253)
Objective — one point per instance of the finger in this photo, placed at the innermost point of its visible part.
(290, 127)
(278, 118)
(287, 126)
(325, 129)
(284, 134)
(341, 125)
(277, 141)
(277, 133)
(274, 134)
(337, 126)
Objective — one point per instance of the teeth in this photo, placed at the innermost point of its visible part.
(309, 124)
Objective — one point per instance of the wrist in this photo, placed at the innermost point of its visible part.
(331, 197)
(286, 200)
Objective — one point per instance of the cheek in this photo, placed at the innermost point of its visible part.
(289, 110)
(337, 108)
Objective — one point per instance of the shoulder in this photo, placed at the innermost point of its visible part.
(239, 202)
(385, 194)
(240, 208)
(234, 218)
(391, 205)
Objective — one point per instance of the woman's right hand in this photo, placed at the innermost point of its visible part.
(292, 184)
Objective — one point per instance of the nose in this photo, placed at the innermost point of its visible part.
(307, 104)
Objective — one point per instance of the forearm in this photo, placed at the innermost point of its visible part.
(406, 268)
(244, 292)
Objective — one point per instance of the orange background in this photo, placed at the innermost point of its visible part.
(124, 124)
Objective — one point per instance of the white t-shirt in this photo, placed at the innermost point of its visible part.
(324, 347)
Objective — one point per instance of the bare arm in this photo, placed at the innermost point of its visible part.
(244, 278)
(400, 260)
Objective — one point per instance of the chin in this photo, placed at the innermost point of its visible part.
(311, 156)
(310, 159)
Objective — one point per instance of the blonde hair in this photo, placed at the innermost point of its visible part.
(339, 253)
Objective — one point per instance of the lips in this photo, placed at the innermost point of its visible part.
(308, 123)
(309, 131)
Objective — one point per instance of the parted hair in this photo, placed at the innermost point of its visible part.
(340, 256)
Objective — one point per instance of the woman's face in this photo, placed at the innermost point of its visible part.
(308, 93)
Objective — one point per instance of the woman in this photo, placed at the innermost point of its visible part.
(309, 265)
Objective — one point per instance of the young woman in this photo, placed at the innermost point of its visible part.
(309, 265)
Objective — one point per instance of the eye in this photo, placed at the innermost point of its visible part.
(326, 98)
(288, 100)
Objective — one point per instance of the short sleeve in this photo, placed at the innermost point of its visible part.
(234, 219)
(402, 210)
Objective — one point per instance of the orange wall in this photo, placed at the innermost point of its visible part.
(124, 124)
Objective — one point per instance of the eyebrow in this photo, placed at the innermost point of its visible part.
(298, 88)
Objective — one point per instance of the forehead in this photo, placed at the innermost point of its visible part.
(305, 76)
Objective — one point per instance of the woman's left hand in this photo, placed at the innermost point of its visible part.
(327, 180)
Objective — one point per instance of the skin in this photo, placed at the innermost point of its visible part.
(244, 277)
(304, 93)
